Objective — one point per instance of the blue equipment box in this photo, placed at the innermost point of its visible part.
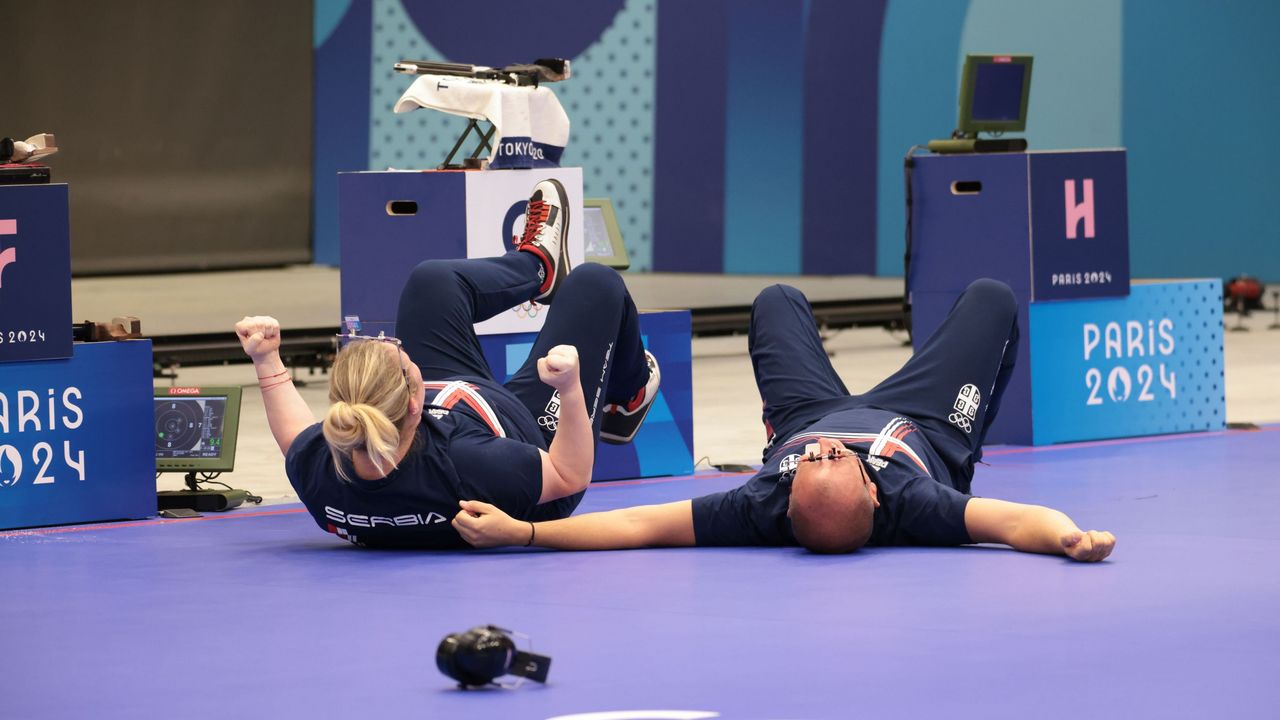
(76, 437)
(1099, 357)
(1051, 225)
(1148, 364)
(35, 273)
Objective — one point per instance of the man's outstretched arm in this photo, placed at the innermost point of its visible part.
(1034, 528)
(669, 525)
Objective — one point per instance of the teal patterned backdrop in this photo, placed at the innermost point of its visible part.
(609, 101)
(769, 136)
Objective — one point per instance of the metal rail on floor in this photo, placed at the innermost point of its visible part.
(311, 348)
(314, 348)
(876, 312)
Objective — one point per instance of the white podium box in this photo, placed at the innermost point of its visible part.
(390, 221)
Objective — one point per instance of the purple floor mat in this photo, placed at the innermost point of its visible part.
(260, 614)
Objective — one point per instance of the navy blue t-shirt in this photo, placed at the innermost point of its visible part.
(919, 501)
(459, 454)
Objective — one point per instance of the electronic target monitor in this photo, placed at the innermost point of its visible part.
(196, 428)
(602, 235)
(994, 91)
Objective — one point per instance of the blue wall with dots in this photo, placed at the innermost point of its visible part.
(609, 100)
(754, 136)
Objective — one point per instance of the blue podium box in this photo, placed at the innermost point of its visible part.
(76, 437)
(35, 273)
(1052, 225)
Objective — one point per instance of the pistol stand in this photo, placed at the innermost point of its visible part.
(473, 161)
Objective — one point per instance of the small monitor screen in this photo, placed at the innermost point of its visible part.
(601, 235)
(595, 233)
(994, 93)
(997, 92)
(189, 427)
(196, 428)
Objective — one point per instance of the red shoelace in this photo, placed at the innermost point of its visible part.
(535, 215)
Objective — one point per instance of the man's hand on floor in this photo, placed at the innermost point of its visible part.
(1088, 546)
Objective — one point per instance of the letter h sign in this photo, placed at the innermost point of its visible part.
(1079, 211)
(8, 255)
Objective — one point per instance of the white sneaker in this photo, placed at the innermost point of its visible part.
(546, 229)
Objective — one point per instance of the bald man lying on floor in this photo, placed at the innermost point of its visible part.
(892, 466)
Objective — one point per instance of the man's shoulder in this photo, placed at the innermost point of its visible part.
(753, 513)
(919, 510)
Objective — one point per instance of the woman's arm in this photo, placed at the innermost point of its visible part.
(566, 465)
(1034, 528)
(287, 413)
(669, 525)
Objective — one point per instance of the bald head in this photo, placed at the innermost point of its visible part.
(832, 505)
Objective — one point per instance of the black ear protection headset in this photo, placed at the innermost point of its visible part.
(478, 656)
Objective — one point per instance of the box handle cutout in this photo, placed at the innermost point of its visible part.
(966, 187)
(402, 207)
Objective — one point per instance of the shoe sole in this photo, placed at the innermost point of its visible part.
(562, 261)
(618, 440)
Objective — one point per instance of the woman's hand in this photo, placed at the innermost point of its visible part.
(559, 368)
(485, 526)
(259, 336)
